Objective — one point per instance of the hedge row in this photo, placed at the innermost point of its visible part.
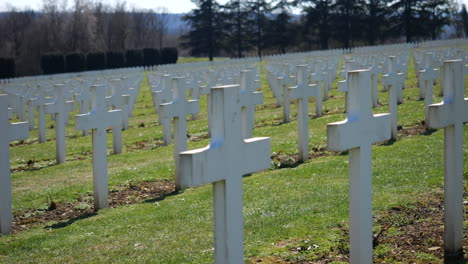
(7, 68)
(77, 62)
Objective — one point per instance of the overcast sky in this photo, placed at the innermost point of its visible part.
(174, 6)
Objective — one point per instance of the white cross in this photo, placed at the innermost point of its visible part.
(285, 81)
(302, 92)
(162, 96)
(59, 109)
(83, 99)
(178, 109)
(374, 70)
(357, 133)
(391, 82)
(218, 164)
(10, 132)
(121, 101)
(450, 115)
(320, 77)
(427, 77)
(40, 103)
(249, 98)
(98, 120)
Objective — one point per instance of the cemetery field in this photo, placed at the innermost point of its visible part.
(293, 211)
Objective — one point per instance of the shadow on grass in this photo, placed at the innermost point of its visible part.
(71, 221)
(162, 197)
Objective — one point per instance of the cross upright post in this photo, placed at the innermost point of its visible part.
(302, 92)
(357, 133)
(179, 109)
(427, 77)
(41, 102)
(10, 132)
(218, 164)
(164, 95)
(59, 109)
(249, 98)
(391, 82)
(97, 121)
(83, 101)
(284, 81)
(451, 114)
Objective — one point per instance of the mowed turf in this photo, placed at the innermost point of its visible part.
(303, 202)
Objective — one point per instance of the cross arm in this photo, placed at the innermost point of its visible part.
(439, 115)
(18, 131)
(255, 155)
(346, 134)
(343, 86)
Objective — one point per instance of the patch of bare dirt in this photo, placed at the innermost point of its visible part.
(419, 129)
(67, 213)
(412, 234)
(144, 145)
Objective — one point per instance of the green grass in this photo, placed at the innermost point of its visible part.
(291, 206)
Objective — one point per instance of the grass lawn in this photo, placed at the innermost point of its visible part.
(289, 205)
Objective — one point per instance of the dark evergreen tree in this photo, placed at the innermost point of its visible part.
(435, 14)
(280, 34)
(464, 16)
(347, 20)
(239, 27)
(258, 10)
(318, 16)
(207, 33)
(376, 22)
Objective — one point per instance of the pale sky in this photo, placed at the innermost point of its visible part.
(174, 6)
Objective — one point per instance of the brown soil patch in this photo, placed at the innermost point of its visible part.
(67, 213)
(412, 234)
(284, 160)
(144, 145)
(419, 129)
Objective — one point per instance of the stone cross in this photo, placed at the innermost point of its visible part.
(40, 103)
(178, 109)
(357, 133)
(83, 99)
(391, 82)
(162, 96)
(284, 81)
(121, 101)
(374, 70)
(249, 98)
(59, 109)
(98, 120)
(451, 114)
(320, 77)
(10, 132)
(31, 103)
(427, 77)
(218, 164)
(302, 92)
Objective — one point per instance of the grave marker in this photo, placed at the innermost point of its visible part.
(178, 109)
(249, 98)
(164, 95)
(357, 133)
(391, 82)
(10, 132)
(302, 92)
(59, 110)
(451, 114)
(97, 121)
(218, 164)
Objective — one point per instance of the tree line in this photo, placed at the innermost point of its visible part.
(243, 27)
(87, 27)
